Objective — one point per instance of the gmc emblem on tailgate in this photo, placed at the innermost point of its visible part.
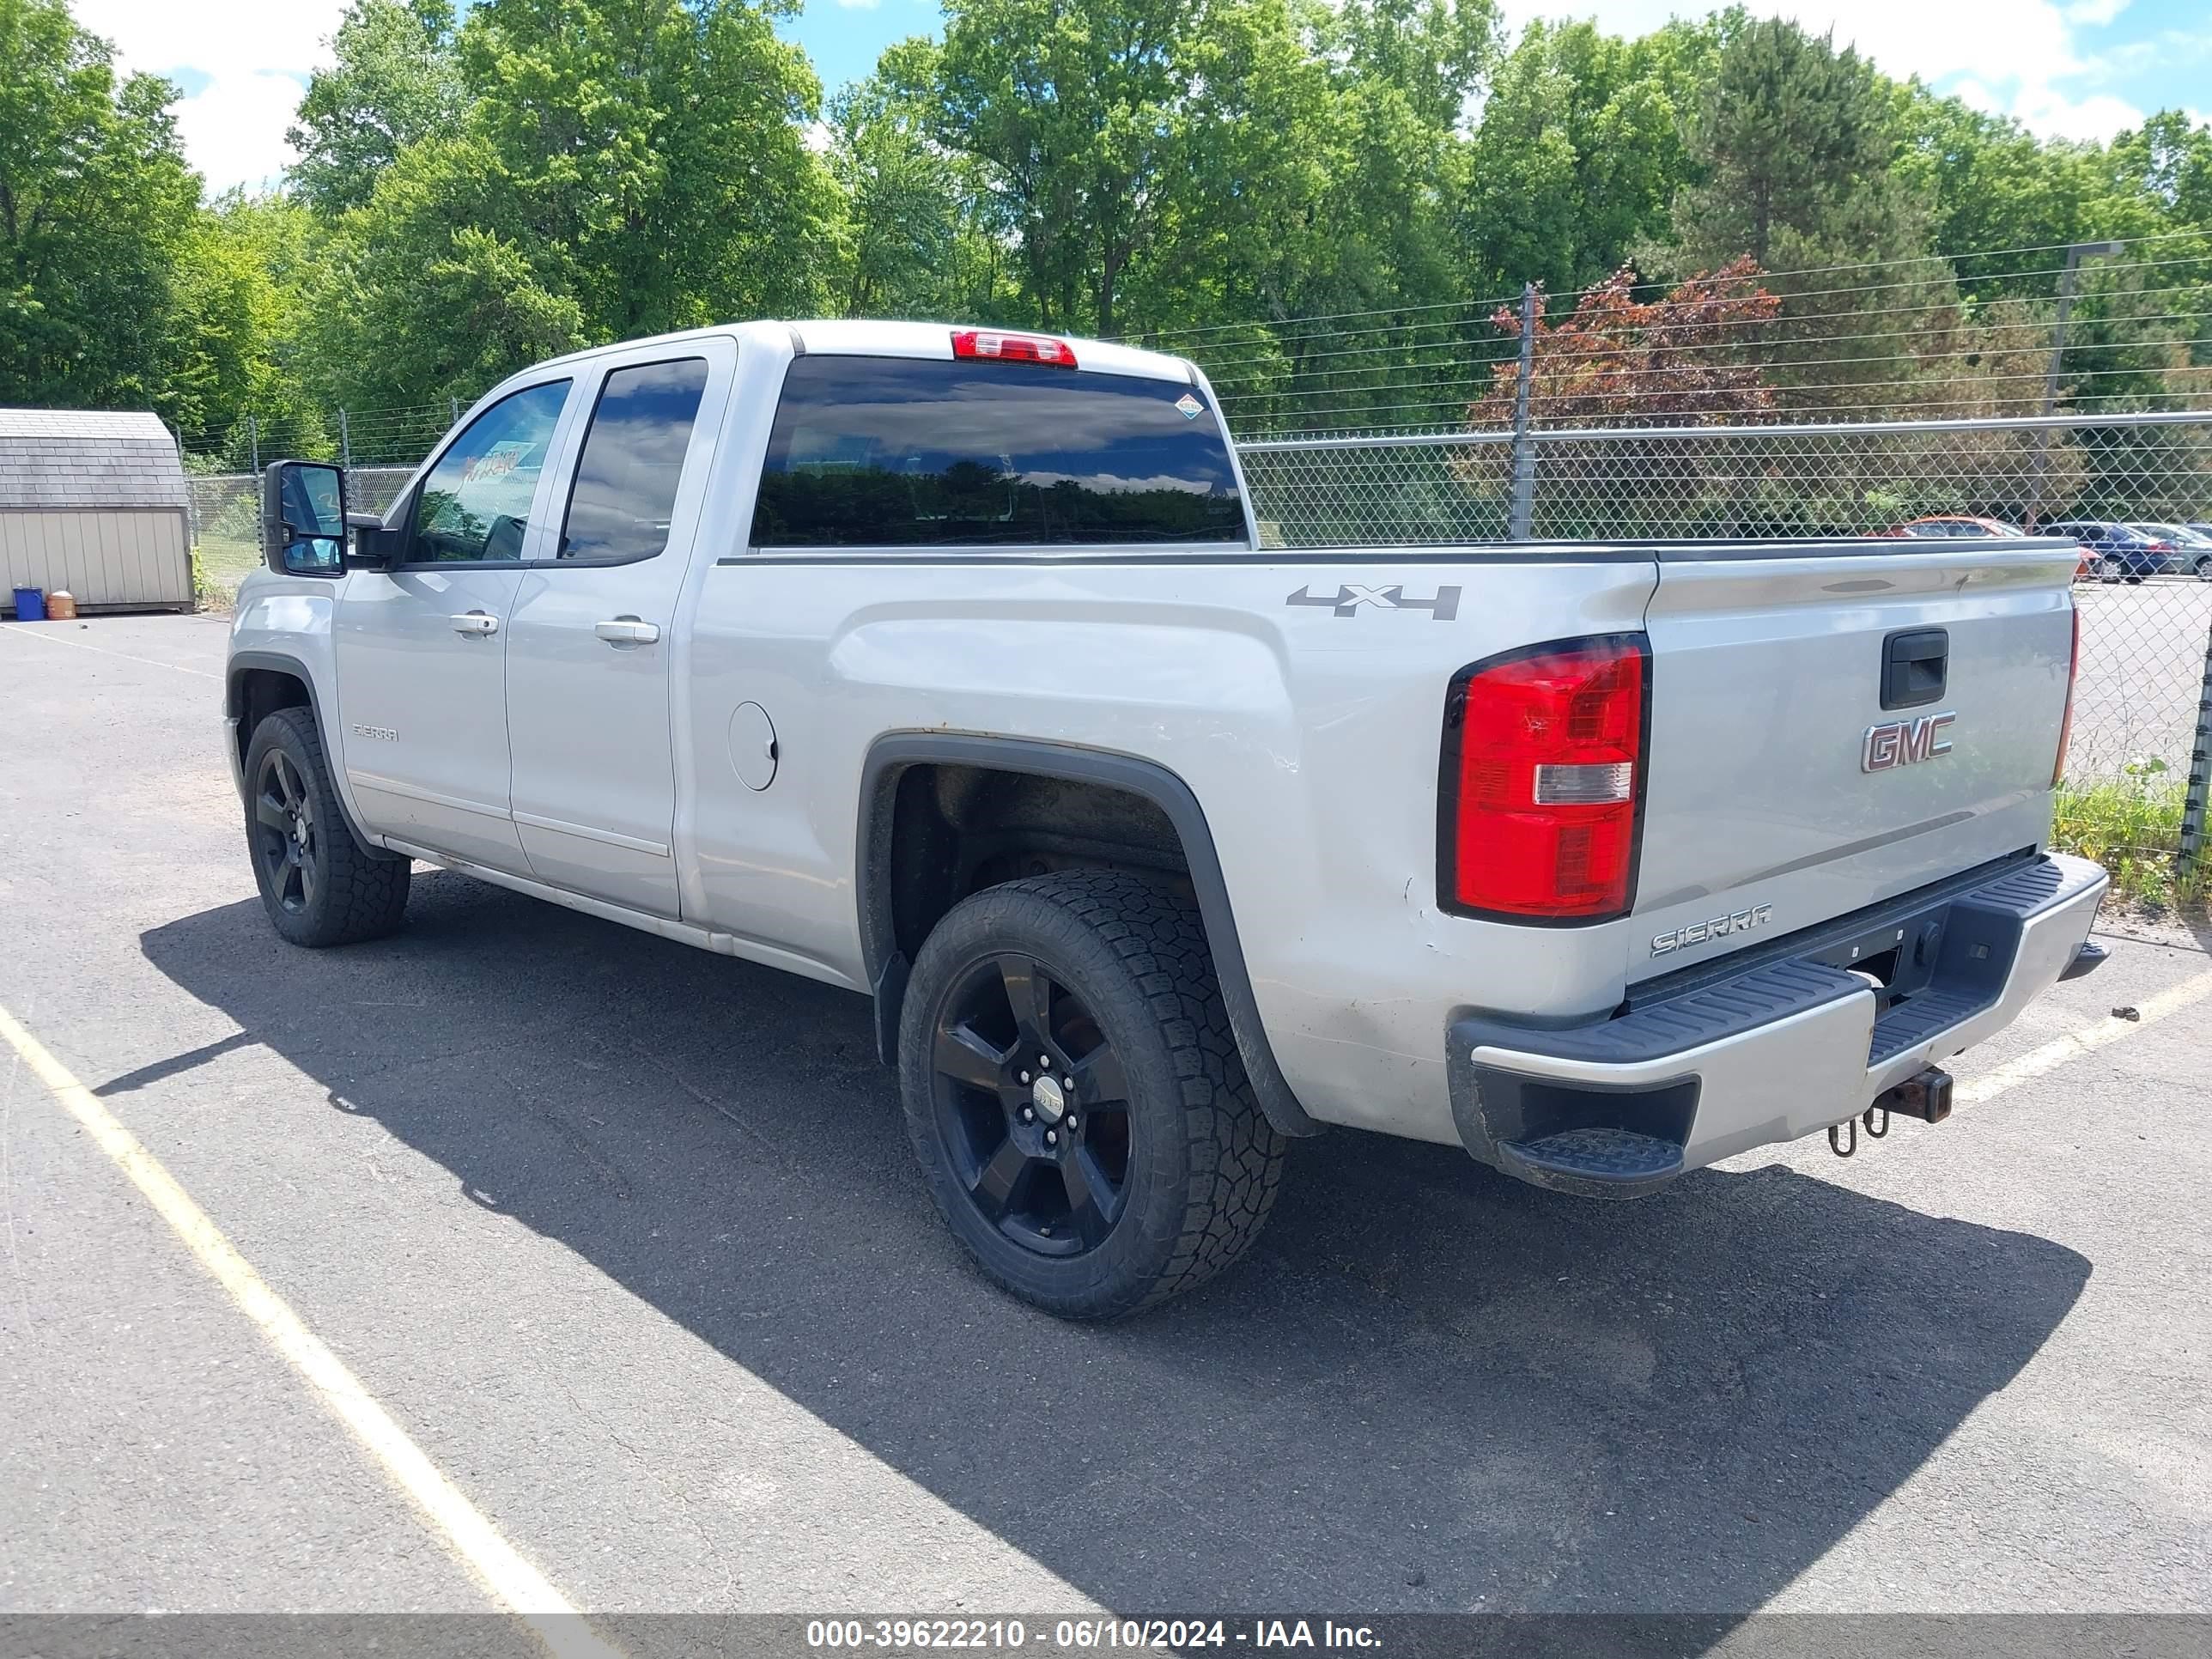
(1906, 743)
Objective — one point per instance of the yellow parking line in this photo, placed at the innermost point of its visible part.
(513, 1581)
(2087, 1039)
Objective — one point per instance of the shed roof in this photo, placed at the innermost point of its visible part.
(69, 459)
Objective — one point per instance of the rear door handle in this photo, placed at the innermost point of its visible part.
(628, 631)
(475, 622)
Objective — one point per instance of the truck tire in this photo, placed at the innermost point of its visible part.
(318, 885)
(1137, 1164)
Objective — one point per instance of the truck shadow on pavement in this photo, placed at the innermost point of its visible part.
(1430, 1388)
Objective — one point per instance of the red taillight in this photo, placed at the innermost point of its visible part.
(1543, 780)
(2066, 721)
(1012, 348)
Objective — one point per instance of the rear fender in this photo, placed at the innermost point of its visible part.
(887, 967)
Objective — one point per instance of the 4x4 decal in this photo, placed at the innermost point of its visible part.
(1349, 597)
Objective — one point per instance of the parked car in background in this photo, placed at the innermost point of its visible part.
(1955, 523)
(2193, 554)
(1947, 526)
(2118, 552)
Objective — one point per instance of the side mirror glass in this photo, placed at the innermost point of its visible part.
(303, 518)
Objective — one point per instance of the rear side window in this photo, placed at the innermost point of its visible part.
(633, 460)
(886, 452)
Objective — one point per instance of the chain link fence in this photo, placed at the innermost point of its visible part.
(227, 522)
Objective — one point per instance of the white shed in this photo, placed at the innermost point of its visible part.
(94, 503)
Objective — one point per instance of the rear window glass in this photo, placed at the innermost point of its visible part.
(888, 451)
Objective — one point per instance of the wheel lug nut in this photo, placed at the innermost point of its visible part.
(1044, 1062)
(1028, 1116)
(1024, 1077)
(1050, 1139)
(1072, 1125)
(1068, 1083)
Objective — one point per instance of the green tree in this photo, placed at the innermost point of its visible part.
(1795, 140)
(1322, 153)
(622, 167)
(1076, 112)
(415, 299)
(1580, 152)
(1433, 52)
(1797, 145)
(919, 232)
(395, 82)
(1996, 186)
(2168, 162)
(235, 323)
(95, 197)
(650, 157)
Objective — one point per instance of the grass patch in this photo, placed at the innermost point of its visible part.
(219, 564)
(2132, 826)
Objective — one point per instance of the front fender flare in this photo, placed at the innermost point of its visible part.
(280, 663)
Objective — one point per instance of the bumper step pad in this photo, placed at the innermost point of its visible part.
(1618, 1157)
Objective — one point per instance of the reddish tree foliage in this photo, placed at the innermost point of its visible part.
(1682, 360)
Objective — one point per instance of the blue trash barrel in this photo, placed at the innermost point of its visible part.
(30, 604)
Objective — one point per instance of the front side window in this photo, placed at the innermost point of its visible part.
(475, 505)
(632, 461)
(889, 452)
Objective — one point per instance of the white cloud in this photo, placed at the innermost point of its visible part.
(2020, 57)
(2056, 115)
(254, 56)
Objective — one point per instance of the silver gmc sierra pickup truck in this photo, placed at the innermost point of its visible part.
(947, 665)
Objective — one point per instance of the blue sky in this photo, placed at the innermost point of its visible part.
(2071, 68)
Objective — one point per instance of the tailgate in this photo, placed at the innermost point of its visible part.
(1833, 726)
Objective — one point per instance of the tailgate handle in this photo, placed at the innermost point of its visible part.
(1914, 668)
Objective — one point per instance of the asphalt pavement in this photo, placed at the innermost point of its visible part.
(625, 1236)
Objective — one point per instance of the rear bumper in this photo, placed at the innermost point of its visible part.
(1791, 1044)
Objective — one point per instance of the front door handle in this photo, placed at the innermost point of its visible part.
(475, 623)
(628, 631)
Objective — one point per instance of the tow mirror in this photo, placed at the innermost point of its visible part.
(303, 519)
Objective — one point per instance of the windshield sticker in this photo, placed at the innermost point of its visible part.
(1192, 408)
(496, 462)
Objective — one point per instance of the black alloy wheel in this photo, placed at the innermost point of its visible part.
(285, 839)
(1075, 1095)
(1033, 1106)
(319, 885)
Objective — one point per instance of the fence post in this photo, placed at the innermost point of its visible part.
(345, 443)
(2200, 771)
(253, 445)
(1523, 516)
(452, 411)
